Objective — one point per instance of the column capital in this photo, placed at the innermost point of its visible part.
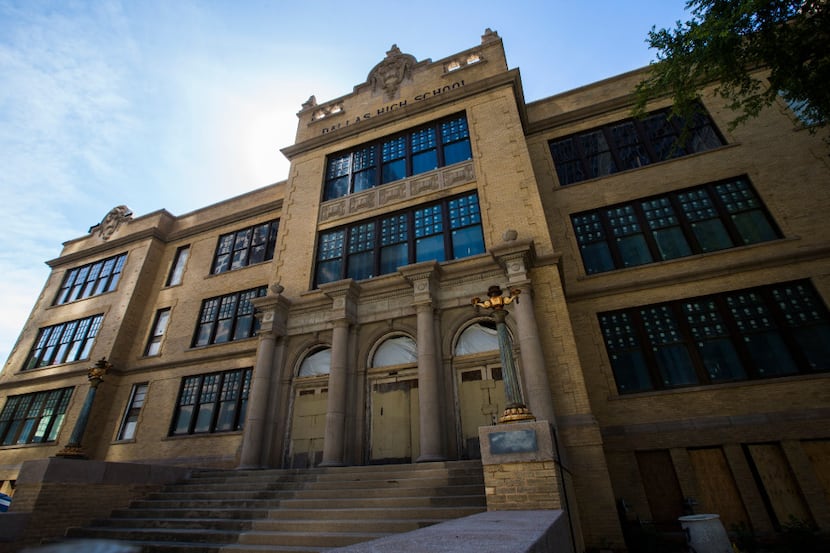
(272, 311)
(516, 257)
(424, 278)
(343, 295)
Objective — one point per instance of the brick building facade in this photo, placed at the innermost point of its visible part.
(672, 322)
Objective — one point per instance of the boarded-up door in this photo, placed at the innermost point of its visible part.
(665, 499)
(308, 427)
(481, 402)
(717, 491)
(779, 484)
(818, 451)
(395, 427)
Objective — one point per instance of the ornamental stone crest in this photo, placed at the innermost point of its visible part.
(110, 223)
(391, 72)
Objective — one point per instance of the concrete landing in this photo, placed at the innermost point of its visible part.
(490, 532)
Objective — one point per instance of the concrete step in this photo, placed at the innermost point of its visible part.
(388, 489)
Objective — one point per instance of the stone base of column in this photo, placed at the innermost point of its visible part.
(520, 467)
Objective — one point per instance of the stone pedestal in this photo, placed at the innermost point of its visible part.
(520, 467)
(705, 534)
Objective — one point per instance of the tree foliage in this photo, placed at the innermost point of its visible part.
(727, 42)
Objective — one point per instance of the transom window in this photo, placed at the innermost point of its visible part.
(91, 280)
(449, 229)
(316, 363)
(691, 221)
(228, 318)
(398, 350)
(245, 247)
(630, 144)
(766, 332)
(438, 144)
(214, 402)
(33, 418)
(64, 342)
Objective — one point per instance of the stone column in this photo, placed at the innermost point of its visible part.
(343, 295)
(95, 375)
(515, 257)
(423, 277)
(272, 312)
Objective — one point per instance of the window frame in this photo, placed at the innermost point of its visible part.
(597, 227)
(90, 280)
(17, 412)
(228, 247)
(364, 167)
(694, 328)
(53, 342)
(647, 145)
(212, 313)
(415, 230)
(177, 268)
(160, 323)
(193, 391)
(138, 396)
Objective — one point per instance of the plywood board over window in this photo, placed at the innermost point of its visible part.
(665, 499)
(779, 484)
(818, 452)
(717, 491)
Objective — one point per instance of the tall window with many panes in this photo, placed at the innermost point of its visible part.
(213, 402)
(64, 342)
(33, 418)
(413, 152)
(757, 333)
(440, 231)
(91, 279)
(227, 318)
(244, 247)
(687, 222)
(629, 144)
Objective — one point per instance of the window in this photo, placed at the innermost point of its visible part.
(317, 363)
(766, 332)
(692, 221)
(629, 144)
(245, 247)
(450, 229)
(130, 420)
(438, 144)
(91, 280)
(177, 269)
(159, 328)
(33, 418)
(395, 351)
(228, 318)
(64, 343)
(477, 338)
(214, 402)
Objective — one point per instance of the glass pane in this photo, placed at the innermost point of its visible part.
(394, 170)
(329, 271)
(392, 257)
(633, 250)
(459, 151)
(227, 414)
(364, 180)
(721, 360)
(183, 419)
(431, 248)
(753, 226)
(675, 366)
(630, 371)
(815, 345)
(204, 418)
(243, 327)
(360, 266)
(672, 243)
(223, 331)
(466, 242)
(424, 161)
(337, 188)
(770, 354)
(711, 235)
(597, 258)
(569, 172)
(318, 363)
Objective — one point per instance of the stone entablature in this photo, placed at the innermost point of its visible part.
(397, 192)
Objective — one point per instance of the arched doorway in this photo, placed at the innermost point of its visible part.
(479, 383)
(393, 401)
(308, 425)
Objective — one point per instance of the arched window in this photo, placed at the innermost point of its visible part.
(477, 338)
(317, 363)
(395, 351)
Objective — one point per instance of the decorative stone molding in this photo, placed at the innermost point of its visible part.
(424, 278)
(343, 295)
(392, 71)
(400, 191)
(110, 223)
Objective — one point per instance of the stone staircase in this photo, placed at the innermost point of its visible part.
(302, 511)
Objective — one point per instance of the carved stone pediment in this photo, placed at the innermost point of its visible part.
(111, 222)
(391, 72)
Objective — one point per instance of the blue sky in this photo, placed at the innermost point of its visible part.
(178, 104)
